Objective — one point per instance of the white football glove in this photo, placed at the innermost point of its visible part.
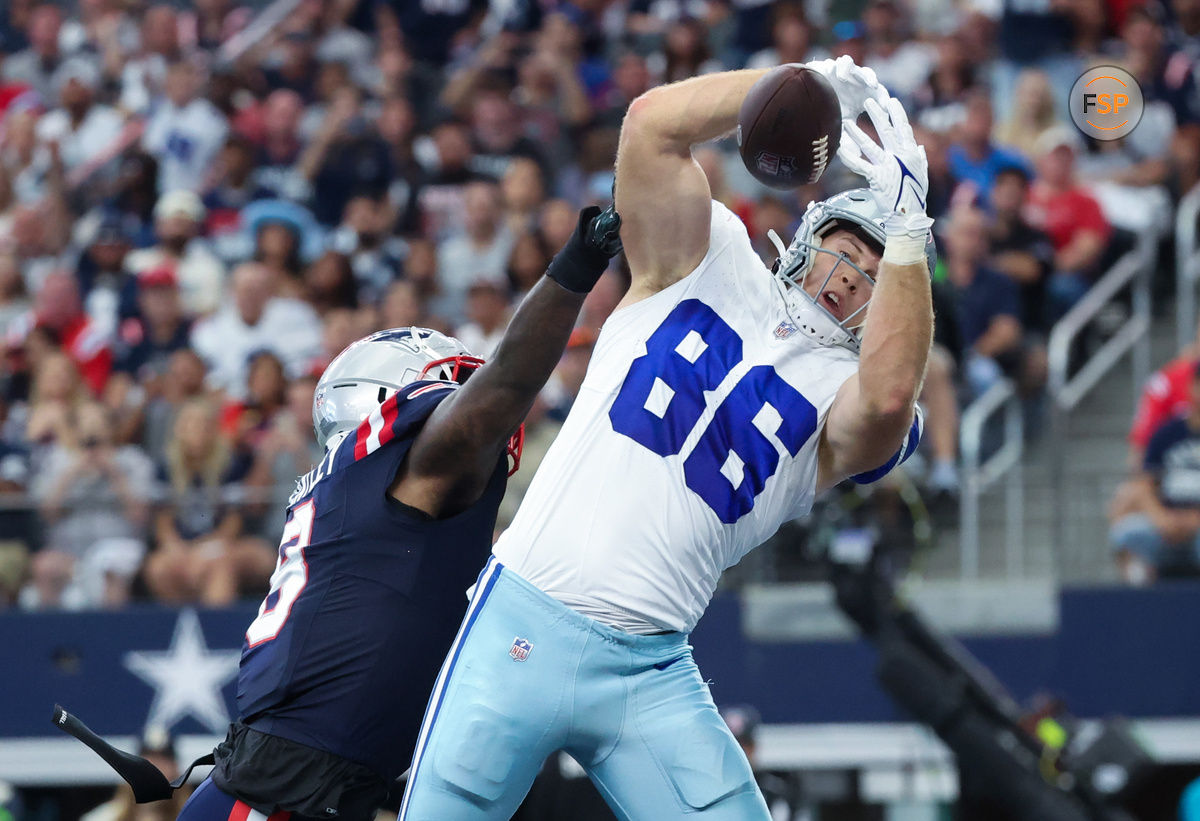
(897, 173)
(854, 84)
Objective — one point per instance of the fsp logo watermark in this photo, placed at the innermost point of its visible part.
(1106, 102)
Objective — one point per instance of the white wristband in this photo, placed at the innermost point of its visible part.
(904, 249)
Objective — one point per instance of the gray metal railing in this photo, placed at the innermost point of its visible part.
(1067, 390)
(979, 474)
(1187, 267)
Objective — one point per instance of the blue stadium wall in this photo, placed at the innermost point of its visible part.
(1132, 652)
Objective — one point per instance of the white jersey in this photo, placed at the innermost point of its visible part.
(185, 141)
(694, 436)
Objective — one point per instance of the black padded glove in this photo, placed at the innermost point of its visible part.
(595, 240)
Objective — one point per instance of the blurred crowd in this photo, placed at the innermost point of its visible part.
(1154, 516)
(201, 204)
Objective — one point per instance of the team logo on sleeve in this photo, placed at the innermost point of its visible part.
(520, 649)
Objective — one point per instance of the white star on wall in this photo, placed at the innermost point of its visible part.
(187, 677)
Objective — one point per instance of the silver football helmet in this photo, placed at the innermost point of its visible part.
(857, 207)
(364, 375)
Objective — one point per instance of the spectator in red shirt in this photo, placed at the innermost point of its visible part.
(58, 309)
(1070, 216)
(1155, 515)
(1166, 394)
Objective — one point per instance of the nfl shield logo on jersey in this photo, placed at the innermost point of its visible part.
(784, 330)
(520, 649)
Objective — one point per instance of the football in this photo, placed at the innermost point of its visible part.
(789, 127)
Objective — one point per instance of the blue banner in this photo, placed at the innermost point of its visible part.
(121, 671)
(1117, 651)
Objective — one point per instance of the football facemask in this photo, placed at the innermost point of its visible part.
(856, 210)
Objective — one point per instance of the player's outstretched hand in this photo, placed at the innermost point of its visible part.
(595, 240)
(853, 83)
(897, 173)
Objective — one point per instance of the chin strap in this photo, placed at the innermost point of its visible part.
(778, 243)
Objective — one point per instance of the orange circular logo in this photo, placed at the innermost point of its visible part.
(1106, 103)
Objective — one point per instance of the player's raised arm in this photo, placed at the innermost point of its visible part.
(873, 410)
(455, 454)
(661, 192)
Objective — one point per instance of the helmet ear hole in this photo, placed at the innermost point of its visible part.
(382, 394)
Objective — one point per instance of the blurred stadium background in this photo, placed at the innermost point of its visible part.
(202, 203)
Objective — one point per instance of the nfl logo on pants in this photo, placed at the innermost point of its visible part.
(520, 649)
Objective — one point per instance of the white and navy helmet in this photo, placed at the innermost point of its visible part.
(364, 375)
(858, 208)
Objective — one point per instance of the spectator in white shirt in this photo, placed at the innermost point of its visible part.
(178, 219)
(82, 128)
(479, 251)
(256, 320)
(185, 132)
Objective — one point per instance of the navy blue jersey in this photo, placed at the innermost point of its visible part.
(366, 597)
(1173, 458)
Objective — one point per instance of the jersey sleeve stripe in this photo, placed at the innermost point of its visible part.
(368, 437)
(389, 412)
(380, 427)
(375, 427)
(900, 456)
(360, 439)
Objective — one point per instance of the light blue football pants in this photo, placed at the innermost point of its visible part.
(527, 676)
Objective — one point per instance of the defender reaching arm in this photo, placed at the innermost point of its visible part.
(454, 455)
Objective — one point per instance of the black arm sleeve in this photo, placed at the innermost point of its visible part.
(455, 453)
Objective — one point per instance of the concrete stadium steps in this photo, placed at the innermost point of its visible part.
(1095, 465)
